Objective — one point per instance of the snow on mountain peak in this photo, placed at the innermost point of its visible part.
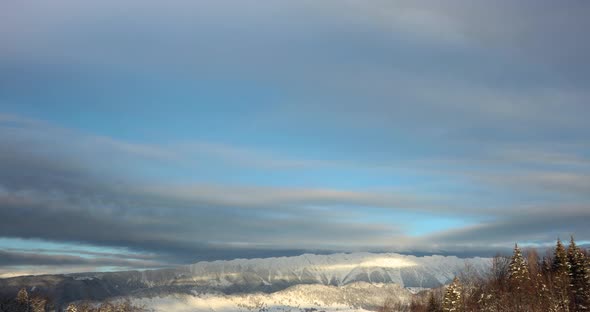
(336, 269)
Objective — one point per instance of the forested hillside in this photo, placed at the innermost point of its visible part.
(556, 282)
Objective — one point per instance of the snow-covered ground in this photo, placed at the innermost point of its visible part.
(301, 298)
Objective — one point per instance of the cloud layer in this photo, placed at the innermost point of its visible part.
(197, 131)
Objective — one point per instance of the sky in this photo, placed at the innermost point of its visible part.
(147, 134)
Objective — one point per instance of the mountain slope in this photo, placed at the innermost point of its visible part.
(335, 269)
(351, 297)
(251, 275)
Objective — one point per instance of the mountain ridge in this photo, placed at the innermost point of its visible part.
(266, 275)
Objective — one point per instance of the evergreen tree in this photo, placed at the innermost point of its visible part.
(518, 271)
(560, 259)
(539, 297)
(560, 278)
(586, 278)
(546, 265)
(72, 308)
(22, 300)
(519, 279)
(579, 278)
(452, 301)
(22, 297)
(433, 305)
(38, 304)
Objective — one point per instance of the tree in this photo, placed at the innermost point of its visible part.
(433, 305)
(22, 300)
(579, 278)
(560, 259)
(72, 308)
(452, 300)
(22, 297)
(38, 304)
(519, 279)
(518, 273)
(560, 278)
(546, 265)
(539, 296)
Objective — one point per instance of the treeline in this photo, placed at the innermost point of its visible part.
(557, 282)
(25, 303)
(124, 306)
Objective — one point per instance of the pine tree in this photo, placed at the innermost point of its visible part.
(519, 279)
(433, 305)
(518, 270)
(560, 278)
(560, 261)
(38, 304)
(72, 308)
(22, 297)
(452, 301)
(586, 277)
(539, 297)
(546, 265)
(579, 278)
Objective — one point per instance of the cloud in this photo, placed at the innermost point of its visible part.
(70, 166)
(9, 258)
(538, 225)
(85, 253)
(47, 196)
(188, 222)
(275, 36)
(364, 61)
(378, 112)
(519, 28)
(13, 271)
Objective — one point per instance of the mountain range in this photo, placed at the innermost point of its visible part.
(331, 273)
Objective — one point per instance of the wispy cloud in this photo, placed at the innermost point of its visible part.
(166, 219)
(211, 130)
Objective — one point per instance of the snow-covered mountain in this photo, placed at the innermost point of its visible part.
(359, 296)
(249, 276)
(334, 269)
